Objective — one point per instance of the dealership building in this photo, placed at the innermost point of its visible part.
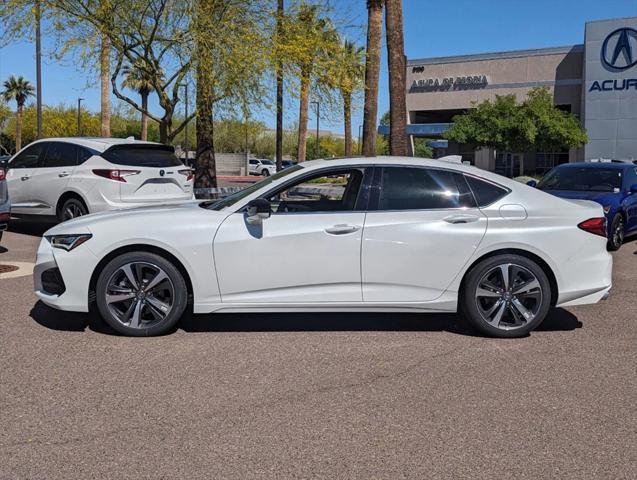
(596, 81)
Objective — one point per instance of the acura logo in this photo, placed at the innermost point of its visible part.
(619, 50)
(162, 173)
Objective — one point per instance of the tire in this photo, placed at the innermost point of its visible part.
(501, 312)
(141, 312)
(616, 234)
(72, 208)
(265, 173)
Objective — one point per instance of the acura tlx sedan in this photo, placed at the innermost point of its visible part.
(381, 234)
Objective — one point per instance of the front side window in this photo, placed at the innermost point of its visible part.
(28, 158)
(60, 154)
(413, 188)
(583, 179)
(335, 191)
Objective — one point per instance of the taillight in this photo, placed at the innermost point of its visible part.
(596, 226)
(4, 217)
(117, 175)
(188, 173)
(2, 174)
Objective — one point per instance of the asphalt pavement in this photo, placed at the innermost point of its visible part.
(335, 396)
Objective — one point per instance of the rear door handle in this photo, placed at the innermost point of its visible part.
(462, 218)
(342, 229)
(26, 177)
(63, 174)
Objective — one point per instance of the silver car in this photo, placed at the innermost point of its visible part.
(5, 204)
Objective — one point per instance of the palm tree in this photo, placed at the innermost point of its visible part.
(137, 78)
(372, 72)
(351, 70)
(17, 89)
(397, 78)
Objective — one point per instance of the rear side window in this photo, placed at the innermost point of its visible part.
(410, 188)
(142, 156)
(485, 192)
(60, 154)
(28, 158)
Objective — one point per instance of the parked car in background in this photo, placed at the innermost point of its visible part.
(287, 163)
(5, 204)
(396, 234)
(611, 184)
(261, 166)
(70, 177)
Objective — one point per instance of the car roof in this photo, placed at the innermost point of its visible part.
(593, 165)
(96, 143)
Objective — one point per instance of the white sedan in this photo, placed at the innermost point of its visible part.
(372, 234)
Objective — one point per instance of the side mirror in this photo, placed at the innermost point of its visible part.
(258, 210)
(633, 188)
(532, 183)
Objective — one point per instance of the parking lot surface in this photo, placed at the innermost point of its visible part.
(316, 395)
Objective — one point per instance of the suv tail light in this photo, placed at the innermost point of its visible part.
(5, 217)
(596, 226)
(188, 173)
(2, 174)
(117, 175)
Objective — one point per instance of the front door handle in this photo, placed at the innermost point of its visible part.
(26, 177)
(342, 229)
(63, 174)
(462, 218)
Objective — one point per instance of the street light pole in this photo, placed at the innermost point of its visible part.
(318, 120)
(79, 117)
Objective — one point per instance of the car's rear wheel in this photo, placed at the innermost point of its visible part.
(141, 294)
(506, 296)
(616, 237)
(72, 208)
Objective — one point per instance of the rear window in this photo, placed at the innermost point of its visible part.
(142, 156)
(485, 192)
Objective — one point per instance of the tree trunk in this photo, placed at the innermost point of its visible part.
(347, 116)
(303, 108)
(18, 129)
(105, 77)
(372, 72)
(144, 134)
(279, 91)
(397, 78)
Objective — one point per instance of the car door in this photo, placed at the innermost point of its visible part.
(49, 180)
(630, 202)
(19, 173)
(308, 251)
(422, 228)
(253, 165)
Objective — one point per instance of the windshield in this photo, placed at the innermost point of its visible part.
(241, 194)
(583, 180)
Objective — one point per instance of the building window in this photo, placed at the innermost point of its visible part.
(546, 161)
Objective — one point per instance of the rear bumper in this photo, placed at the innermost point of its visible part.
(589, 283)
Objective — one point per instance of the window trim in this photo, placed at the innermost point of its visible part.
(375, 195)
(362, 198)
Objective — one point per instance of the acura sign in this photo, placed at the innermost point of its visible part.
(618, 53)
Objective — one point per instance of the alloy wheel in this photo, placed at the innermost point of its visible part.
(72, 210)
(139, 294)
(618, 232)
(508, 296)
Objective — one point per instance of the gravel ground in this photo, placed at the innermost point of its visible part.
(316, 395)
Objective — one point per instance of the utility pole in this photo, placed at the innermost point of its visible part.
(318, 120)
(38, 66)
(79, 117)
(279, 89)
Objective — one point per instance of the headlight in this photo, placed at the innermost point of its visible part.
(68, 242)
(606, 209)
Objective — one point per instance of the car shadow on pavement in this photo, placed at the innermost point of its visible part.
(557, 320)
(31, 227)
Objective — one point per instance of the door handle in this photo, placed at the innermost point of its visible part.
(63, 174)
(26, 177)
(342, 229)
(457, 219)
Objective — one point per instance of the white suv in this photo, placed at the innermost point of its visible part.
(259, 166)
(70, 177)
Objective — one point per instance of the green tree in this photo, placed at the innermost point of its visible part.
(18, 90)
(349, 79)
(506, 125)
(136, 78)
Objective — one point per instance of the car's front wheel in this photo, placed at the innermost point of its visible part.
(506, 296)
(141, 294)
(616, 237)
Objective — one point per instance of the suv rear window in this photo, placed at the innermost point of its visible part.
(142, 156)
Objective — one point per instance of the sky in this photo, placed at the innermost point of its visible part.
(432, 28)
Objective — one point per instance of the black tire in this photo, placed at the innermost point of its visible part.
(72, 208)
(265, 173)
(148, 324)
(616, 234)
(510, 324)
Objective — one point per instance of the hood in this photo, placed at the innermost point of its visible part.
(603, 198)
(166, 214)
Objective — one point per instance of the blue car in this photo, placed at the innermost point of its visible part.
(612, 185)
